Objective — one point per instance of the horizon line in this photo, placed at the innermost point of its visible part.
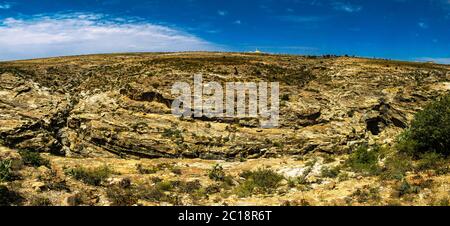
(424, 61)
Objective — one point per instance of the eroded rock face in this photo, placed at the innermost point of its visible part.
(31, 116)
(119, 105)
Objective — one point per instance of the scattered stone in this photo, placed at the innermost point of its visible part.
(38, 186)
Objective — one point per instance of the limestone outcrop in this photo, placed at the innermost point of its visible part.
(119, 105)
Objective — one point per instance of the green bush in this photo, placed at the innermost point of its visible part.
(5, 170)
(404, 188)
(166, 185)
(264, 179)
(216, 173)
(245, 189)
(90, 176)
(429, 131)
(365, 160)
(34, 159)
(330, 172)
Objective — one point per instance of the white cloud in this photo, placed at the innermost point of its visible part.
(422, 25)
(5, 6)
(435, 60)
(346, 7)
(222, 12)
(71, 34)
(237, 22)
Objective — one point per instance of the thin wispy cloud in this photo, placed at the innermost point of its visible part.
(284, 49)
(303, 48)
(5, 5)
(302, 19)
(69, 34)
(422, 25)
(435, 60)
(346, 7)
(222, 12)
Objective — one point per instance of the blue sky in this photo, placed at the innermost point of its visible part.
(414, 30)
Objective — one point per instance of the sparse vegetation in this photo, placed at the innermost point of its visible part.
(93, 176)
(343, 176)
(433, 161)
(172, 133)
(404, 188)
(396, 165)
(80, 198)
(430, 160)
(34, 159)
(176, 171)
(40, 201)
(153, 194)
(217, 173)
(365, 160)
(120, 196)
(167, 191)
(213, 189)
(302, 178)
(367, 194)
(441, 202)
(162, 191)
(266, 180)
(331, 172)
(145, 170)
(189, 187)
(57, 185)
(302, 202)
(159, 167)
(5, 170)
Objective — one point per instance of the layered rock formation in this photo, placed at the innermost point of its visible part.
(108, 118)
(119, 105)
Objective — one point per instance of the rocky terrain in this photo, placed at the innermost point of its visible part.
(106, 136)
